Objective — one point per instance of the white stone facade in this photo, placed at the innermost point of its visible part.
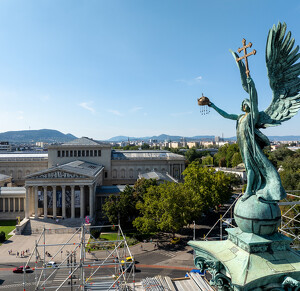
(63, 182)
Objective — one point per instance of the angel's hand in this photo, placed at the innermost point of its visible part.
(249, 80)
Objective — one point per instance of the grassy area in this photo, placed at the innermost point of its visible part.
(105, 239)
(7, 226)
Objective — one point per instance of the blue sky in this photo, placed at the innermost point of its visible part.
(133, 67)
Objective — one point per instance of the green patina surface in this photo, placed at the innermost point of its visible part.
(256, 257)
(249, 270)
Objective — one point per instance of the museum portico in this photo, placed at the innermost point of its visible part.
(66, 190)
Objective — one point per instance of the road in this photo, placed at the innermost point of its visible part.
(149, 263)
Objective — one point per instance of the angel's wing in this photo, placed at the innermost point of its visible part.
(283, 72)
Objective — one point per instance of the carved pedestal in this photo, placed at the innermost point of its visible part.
(249, 262)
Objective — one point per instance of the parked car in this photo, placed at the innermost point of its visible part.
(127, 263)
(21, 269)
(51, 264)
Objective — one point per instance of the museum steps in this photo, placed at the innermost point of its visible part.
(35, 226)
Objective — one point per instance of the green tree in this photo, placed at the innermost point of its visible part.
(236, 159)
(145, 146)
(192, 154)
(141, 186)
(165, 208)
(111, 209)
(123, 207)
(229, 152)
(290, 172)
(208, 160)
(279, 155)
(207, 187)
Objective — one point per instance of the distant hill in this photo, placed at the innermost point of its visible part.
(32, 136)
(164, 137)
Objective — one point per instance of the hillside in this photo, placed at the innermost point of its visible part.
(32, 136)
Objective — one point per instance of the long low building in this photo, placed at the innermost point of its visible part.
(64, 182)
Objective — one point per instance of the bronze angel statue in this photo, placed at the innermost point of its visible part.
(283, 71)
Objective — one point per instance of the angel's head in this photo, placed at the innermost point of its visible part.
(245, 105)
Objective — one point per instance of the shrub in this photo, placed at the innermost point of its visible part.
(2, 236)
(95, 233)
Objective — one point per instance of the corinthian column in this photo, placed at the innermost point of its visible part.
(72, 201)
(91, 200)
(54, 201)
(63, 203)
(45, 202)
(36, 202)
(82, 202)
(26, 203)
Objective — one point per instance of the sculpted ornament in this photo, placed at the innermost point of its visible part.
(58, 175)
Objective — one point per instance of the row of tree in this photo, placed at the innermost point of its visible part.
(169, 206)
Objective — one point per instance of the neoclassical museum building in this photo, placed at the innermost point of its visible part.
(73, 179)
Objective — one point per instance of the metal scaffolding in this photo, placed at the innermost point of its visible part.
(84, 262)
(290, 220)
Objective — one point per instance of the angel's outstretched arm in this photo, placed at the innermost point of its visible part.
(253, 99)
(223, 113)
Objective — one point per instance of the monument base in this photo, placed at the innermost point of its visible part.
(246, 261)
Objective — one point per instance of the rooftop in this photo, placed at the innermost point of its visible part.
(157, 176)
(12, 190)
(14, 156)
(110, 189)
(75, 167)
(4, 177)
(145, 154)
(83, 141)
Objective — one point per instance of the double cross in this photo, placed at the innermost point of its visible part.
(245, 56)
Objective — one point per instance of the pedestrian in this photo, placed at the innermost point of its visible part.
(141, 247)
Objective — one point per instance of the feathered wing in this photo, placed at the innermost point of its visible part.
(283, 73)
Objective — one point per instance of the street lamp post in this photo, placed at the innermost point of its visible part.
(194, 236)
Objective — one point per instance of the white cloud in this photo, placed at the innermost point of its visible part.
(191, 81)
(86, 106)
(115, 112)
(135, 109)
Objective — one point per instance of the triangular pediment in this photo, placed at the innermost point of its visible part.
(56, 174)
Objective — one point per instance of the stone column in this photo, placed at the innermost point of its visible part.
(82, 202)
(26, 203)
(45, 202)
(3, 204)
(72, 201)
(91, 200)
(54, 201)
(19, 201)
(8, 204)
(63, 202)
(36, 202)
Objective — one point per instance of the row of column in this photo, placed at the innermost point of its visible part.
(54, 206)
(16, 204)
